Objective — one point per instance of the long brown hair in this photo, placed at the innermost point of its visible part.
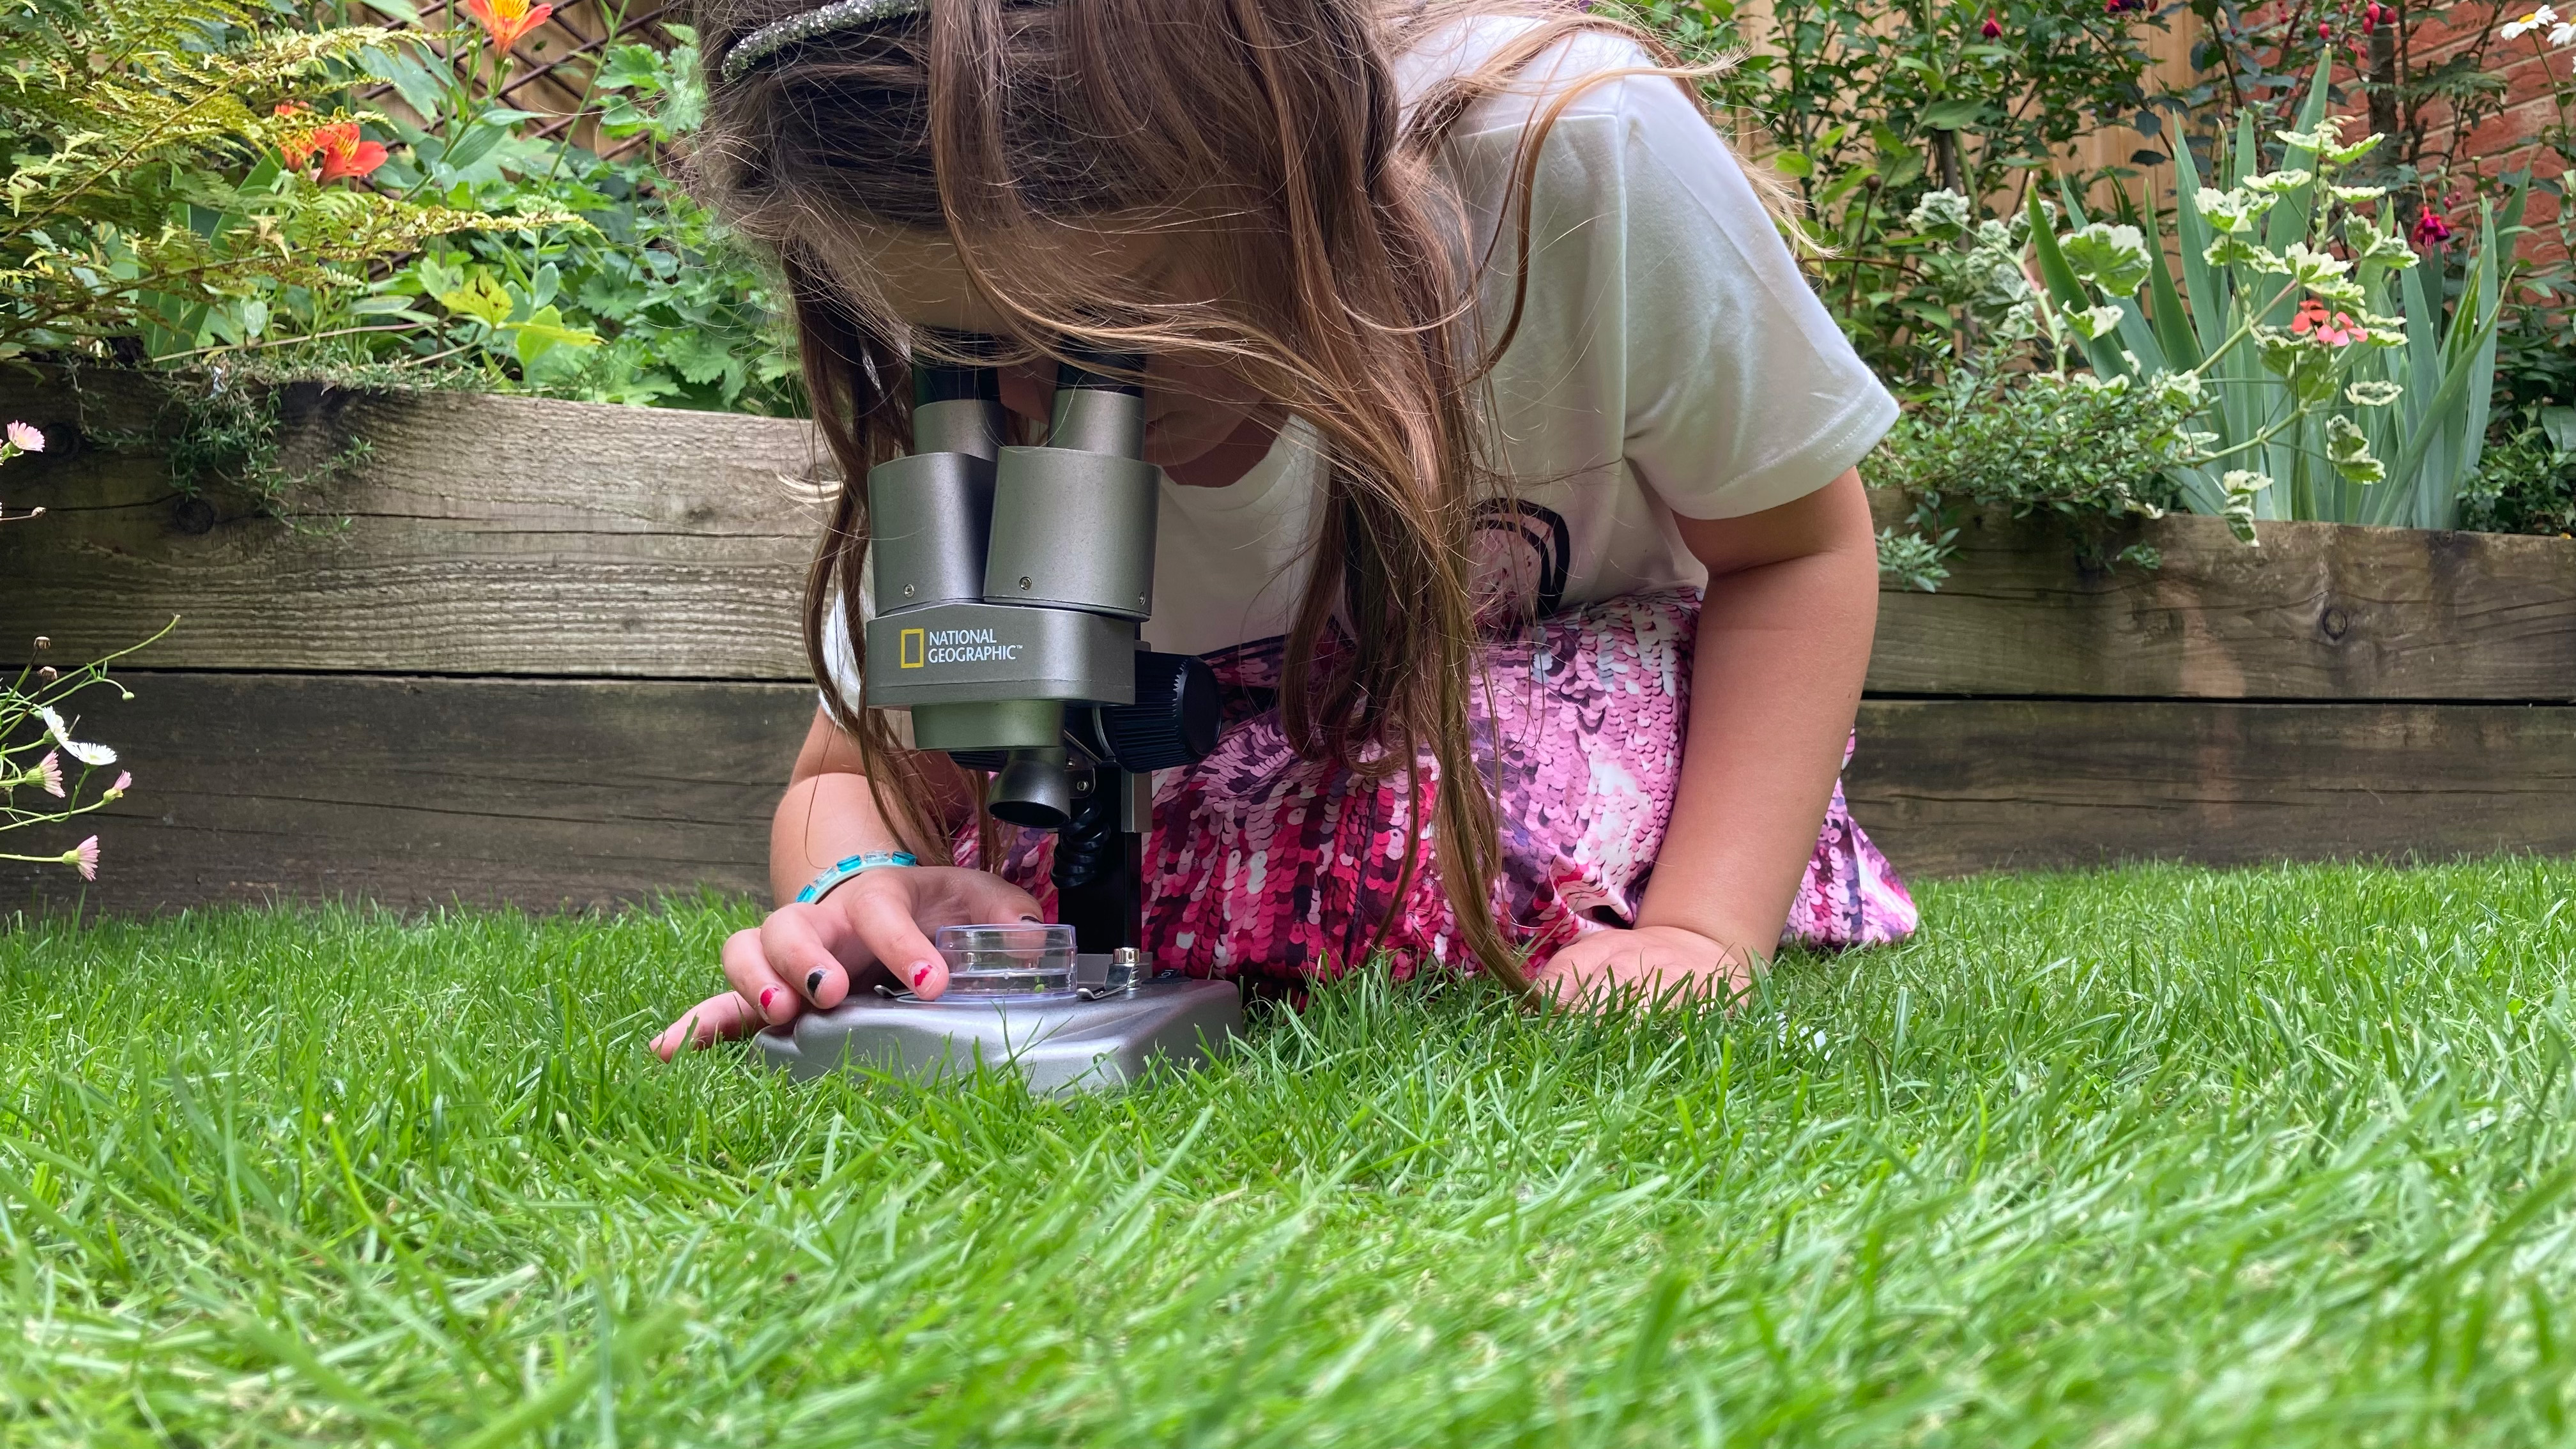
(1266, 135)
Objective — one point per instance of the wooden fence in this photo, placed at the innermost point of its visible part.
(547, 653)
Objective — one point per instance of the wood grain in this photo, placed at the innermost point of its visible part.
(481, 535)
(413, 792)
(512, 536)
(1953, 786)
(2316, 611)
(546, 793)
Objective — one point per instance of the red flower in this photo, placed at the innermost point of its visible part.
(344, 155)
(1993, 29)
(2431, 230)
(507, 21)
(2333, 329)
(297, 147)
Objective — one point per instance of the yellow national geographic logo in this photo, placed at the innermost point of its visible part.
(908, 652)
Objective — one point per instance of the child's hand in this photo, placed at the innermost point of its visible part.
(1647, 964)
(812, 955)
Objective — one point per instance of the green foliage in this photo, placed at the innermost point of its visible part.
(143, 193)
(2091, 454)
(2328, 383)
(1873, 108)
(631, 297)
(2154, 1156)
(2526, 483)
(218, 433)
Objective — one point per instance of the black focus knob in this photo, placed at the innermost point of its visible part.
(1174, 719)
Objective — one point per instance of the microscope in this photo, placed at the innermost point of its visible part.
(1009, 584)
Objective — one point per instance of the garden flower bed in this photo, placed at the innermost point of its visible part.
(2159, 1156)
(536, 652)
(547, 650)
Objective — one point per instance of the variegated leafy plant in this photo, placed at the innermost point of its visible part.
(2327, 380)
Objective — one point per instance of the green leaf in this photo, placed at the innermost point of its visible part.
(2065, 290)
(2173, 324)
(2112, 257)
(480, 298)
(1957, 114)
(543, 332)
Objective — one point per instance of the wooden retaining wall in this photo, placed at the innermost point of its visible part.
(546, 653)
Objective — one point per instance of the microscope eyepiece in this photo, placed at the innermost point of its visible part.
(1034, 790)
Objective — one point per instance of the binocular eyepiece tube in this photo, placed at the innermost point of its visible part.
(1009, 581)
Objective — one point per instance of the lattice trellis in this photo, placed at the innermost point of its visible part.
(550, 69)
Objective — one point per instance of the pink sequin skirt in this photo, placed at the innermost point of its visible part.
(1272, 867)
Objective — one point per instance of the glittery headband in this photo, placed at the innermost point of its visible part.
(776, 36)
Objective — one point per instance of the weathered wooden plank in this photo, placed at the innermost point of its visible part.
(418, 791)
(1953, 786)
(491, 535)
(542, 793)
(482, 535)
(2317, 611)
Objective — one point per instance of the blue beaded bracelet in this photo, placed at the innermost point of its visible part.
(848, 866)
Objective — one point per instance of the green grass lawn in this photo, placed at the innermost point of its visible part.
(2156, 1156)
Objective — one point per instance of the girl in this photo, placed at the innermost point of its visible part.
(1474, 358)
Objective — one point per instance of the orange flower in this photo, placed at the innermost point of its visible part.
(344, 155)
(507, 21)
(298, 147)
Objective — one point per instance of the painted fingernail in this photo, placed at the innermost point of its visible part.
(814, 981)
(1041, 920)
(920, 972)
(767, 992)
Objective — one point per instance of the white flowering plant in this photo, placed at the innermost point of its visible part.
(46, 775)
(2326, 380)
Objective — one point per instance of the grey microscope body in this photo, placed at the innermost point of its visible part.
(1009, 585)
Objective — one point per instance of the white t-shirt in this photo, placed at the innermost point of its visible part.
(1670, 360)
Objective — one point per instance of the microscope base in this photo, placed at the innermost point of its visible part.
(1059, 1046)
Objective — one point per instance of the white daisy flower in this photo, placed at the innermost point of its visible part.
(2540, 19)
(86, 754)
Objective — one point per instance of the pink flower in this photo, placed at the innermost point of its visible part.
(2431, 230)
(2333, 329)
(124, 779)
(50, 770)
(25, 438)
(84, 858)
(1993, 29)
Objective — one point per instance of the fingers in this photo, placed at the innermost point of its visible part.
(883, 921)
(764, 991)
(794, 951)
(985, 898)
(720, 1017)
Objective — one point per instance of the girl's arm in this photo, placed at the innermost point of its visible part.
(827, 814)
(1784, 639)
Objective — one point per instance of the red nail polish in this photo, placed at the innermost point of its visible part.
(767, 992)
(920, 974)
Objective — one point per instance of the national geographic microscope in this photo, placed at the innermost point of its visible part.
(1009, 584)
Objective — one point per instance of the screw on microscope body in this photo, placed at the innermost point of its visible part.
(1024, 581)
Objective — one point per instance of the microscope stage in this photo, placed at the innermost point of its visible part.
(1064, 1044)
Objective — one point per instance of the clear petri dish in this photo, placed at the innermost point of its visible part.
(1020, 961)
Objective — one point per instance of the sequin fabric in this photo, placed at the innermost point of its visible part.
(1267, 866)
